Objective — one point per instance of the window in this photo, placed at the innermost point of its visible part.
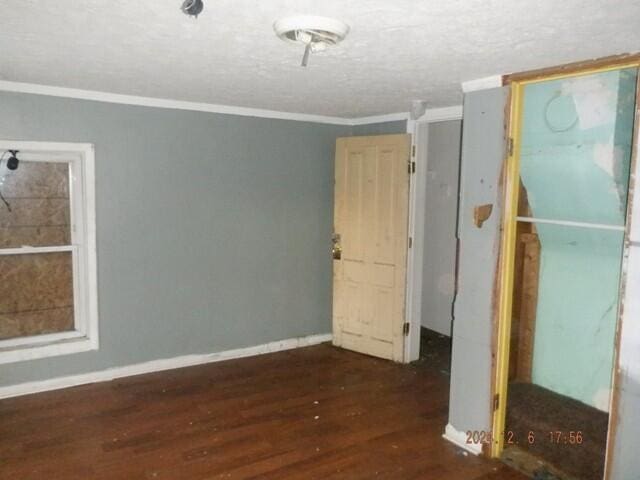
(48, 287)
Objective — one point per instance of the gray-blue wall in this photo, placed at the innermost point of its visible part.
(213, 230)
(439, 261)
(384, 128)
(482, 158)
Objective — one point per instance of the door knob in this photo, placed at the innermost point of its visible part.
(337, 249)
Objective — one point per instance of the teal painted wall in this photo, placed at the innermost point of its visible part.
(575, 157)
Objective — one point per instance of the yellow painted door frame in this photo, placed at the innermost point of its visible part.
(508, 239)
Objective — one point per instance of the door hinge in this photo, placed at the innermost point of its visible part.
(405, 329)
(413, 151)
(510, 146)
(410, 242)
(496, 402)
(411, 167)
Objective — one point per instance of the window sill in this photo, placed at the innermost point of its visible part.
(62, 344)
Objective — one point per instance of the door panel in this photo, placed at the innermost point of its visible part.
(370, 221)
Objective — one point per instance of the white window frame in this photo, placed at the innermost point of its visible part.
(84, 336)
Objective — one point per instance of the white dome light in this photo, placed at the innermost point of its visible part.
(315, 33)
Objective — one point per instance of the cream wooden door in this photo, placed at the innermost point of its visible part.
(370, 239)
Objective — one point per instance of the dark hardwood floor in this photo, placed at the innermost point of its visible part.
(315, 412)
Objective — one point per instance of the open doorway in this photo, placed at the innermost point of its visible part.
(438, 154)
(564, 230)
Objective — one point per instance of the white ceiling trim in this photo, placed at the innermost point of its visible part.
(482, 83)
(391, 117)
(431, 115)
(97, 96)
(442, 114)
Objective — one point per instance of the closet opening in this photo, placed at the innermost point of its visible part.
(564, 225)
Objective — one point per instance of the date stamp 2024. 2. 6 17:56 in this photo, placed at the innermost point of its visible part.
(554, 437)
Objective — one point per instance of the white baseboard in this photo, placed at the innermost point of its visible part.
(460, 439)
(159, 365)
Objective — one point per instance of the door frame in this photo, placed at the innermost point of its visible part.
(504, 284)
(419, 131)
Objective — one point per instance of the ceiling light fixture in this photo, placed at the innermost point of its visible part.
(315, 33)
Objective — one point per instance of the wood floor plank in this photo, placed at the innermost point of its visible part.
(315, 412)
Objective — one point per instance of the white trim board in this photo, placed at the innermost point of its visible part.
(482, 83)
(440, 114)
(98, 96)
(443, 114)
(460, 440)
(417, 190)
(84, 337)
(37, 89)
(159, 365)
(391, 117)
(419, 130)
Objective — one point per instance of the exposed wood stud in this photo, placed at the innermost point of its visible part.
(611, 62)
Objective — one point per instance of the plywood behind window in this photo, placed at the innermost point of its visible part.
(38, 195)
(36, 290)
(36, 294)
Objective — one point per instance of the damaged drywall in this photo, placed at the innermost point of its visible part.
(482, 157)
(575, 157)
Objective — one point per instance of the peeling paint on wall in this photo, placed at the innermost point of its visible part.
(595, 102)
(575, 157)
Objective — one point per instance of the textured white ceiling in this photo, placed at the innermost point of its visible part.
(397, 50)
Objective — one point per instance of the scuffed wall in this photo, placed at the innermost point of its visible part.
(576, 145)
(483, 137)
(213, 231)
(482, 157)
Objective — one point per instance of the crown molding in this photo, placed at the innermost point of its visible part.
(391, 117)
(430, 115)
(482, 83)
(98, 96)
(433, 114)
(442, 114)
